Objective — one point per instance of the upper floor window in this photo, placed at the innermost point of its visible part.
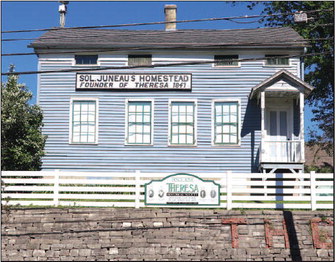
(226, 123)
(139, 60)
(226, 60)
(84, 121)
(86, 59)
(276, 60)
(182, 123)
(139, 122)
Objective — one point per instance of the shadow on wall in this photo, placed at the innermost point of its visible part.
(251, 125)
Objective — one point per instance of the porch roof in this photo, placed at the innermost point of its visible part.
(282, 75)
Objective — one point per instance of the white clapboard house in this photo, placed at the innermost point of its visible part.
(172, 100)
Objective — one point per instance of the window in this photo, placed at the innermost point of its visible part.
(224, 60)
(139, 124)
(139, 60)
(84, 121)
(182, 123)
(276, 60)
(86, 59)
(225, 123)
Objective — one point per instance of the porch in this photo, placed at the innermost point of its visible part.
(281, 98)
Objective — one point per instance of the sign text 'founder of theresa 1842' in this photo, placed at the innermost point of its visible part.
(133, 81)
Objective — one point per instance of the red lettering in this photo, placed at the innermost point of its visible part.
(321, 240)
(270, 232)
(234, 222)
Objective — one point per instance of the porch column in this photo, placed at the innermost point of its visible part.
(262, 106)
(302, 126)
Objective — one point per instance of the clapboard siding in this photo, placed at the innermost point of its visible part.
(111, 153)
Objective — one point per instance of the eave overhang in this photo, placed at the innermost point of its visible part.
(281, 75)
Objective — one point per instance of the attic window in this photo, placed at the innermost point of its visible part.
(224, 60)
(86, 59)
(272, 60)
(139, 60)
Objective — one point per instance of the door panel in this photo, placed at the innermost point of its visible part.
(277, 130)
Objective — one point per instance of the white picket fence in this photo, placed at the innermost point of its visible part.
(249, 190)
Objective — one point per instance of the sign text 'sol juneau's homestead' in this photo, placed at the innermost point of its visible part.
(134, 81)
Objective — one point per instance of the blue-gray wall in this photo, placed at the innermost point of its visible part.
(111, 154)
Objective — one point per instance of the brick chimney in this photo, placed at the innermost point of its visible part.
(170, 15)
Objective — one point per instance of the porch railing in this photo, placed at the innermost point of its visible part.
(288, 151)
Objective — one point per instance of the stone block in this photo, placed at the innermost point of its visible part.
(84, 252)
(26, 253)
(45, 246)
(322, 253)
(64, 252)
(74, 252)
(113, 251)
(158, 224)
(93, 245)
(39, 253)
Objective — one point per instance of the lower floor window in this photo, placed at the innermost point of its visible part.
(139, 124)
(84, 121)
(182, 126)
(226, 123)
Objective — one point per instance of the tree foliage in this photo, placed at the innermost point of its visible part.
(22, 142)
(319, 69)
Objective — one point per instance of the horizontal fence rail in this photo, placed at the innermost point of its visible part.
(237, 190)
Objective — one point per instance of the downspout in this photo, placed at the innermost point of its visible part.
(302, 64)
(301, 99)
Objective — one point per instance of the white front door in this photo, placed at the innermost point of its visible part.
(278, 133)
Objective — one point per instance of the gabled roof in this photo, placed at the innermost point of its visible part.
(71, 38)
(282, 74)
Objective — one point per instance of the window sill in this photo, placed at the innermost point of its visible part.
(226, 146)
(87, 65)
(226, 66)
(182, 145)
(128, 145)
(278, 66)
(94, 144)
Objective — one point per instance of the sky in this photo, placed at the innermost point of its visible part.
(17, 15)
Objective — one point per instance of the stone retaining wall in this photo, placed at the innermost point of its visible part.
(106, 234)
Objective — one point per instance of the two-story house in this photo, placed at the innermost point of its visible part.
(172, 100)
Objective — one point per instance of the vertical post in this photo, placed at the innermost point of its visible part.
(262, 106)
(312, 190)
(228, 191)
(56, 188)
(302, 152)
(264, 179)
(301, 179)
(137, 189)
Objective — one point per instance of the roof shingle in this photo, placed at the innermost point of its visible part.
(67, 38)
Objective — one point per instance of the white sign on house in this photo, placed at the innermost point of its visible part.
(89, 81)
(182, 189)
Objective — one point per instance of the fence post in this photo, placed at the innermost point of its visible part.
(228, 191)
(56, 187)
(137, 189)
(312, 190)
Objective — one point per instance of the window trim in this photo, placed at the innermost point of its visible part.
(277, 66)
(226, 66)
(74, 99)
(128, 55)
(75, 64)
(126, 121)
(227, 100)
(170, 124)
